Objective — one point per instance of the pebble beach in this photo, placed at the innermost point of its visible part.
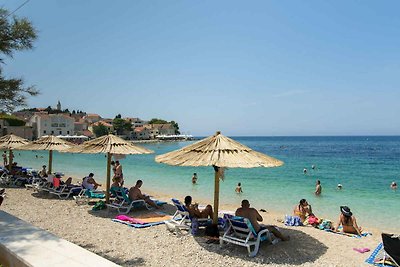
(156, 246)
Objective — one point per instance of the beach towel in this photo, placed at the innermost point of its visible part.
(143, 220)
(377, 258)
(293, 220)
(347, 234)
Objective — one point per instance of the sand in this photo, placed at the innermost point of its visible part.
(155, 246)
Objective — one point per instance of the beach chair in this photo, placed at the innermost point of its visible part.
(182, 218)
(64, 191)
(123, 204)
(241, 232)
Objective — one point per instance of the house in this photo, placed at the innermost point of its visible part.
(51, 124)
(92, 118)
(141, 133)
(80, 126)
(164, 129)
(109, 126)
(21, 131)
(136, 122)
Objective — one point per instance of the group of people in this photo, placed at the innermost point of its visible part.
(346, 219)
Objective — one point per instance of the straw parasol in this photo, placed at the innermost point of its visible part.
(49, 143)
(10, 142)
(220, 152)
(109, 144)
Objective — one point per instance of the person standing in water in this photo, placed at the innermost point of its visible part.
(239, 188)
(318, 188)
(194, 178)
(305, 171)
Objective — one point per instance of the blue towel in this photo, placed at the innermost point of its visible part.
(293, 221)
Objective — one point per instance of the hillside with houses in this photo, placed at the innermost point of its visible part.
(78, 126)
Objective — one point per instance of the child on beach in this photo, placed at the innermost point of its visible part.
(239, 188)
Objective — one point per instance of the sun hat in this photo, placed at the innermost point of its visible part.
(346, 211)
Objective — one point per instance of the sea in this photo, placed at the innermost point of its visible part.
(364, 165)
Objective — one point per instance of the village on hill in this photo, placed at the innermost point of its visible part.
(78, 126)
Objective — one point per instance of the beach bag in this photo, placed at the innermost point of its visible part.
(313, 220)
(100, 205)
(212, 230)
(325, 225)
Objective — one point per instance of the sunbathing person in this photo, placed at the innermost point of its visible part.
(348, 221)
(135, 194)
(302, 210)
(255, 217)
(194, 209)
(89, 182)
(43, 172)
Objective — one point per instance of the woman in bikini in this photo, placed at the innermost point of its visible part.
(302, 210)
(348, 221)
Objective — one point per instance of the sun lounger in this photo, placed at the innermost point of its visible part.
(122, 202)
(241, 232)
(143, 221)
(65, 191)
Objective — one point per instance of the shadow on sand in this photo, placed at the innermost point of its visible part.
(300, 249)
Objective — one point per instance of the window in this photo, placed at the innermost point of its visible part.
(52, 132)
(67, 132)
(44, 131)
(60, 132)
(54, 124)
(61, 125)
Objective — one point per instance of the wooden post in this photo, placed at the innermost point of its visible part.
(108, 177)
(216, 198)
(50, 161)
(10, 160)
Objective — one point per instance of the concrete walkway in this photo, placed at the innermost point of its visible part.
(22, 244)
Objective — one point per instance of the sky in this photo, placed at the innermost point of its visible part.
(246, 68)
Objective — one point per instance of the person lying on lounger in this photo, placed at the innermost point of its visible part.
(255, 217)
(135, 194)
(89, 182)
(348, 221)
(194, 211)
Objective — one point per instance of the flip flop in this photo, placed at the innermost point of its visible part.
(361, 250)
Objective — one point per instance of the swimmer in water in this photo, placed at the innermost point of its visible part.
(339, 186)
(318, 188)
(305, 171)
(313, 167)
(393, 185)
(239, 188)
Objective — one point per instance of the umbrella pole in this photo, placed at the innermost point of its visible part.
(10, 160)
(216, 198)
(108, 177)
(50, 160)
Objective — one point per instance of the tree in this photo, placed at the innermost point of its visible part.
(16, 34)
(73, 112)
(157, 121)
(118, 116)
(176, 126)
(120, 125)
(100, 130)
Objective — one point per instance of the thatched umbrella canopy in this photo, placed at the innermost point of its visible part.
(220, 152)
(109, 144)
(49, 143)
(11, 142)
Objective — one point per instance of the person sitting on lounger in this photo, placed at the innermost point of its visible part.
(194, 211)
(89, 182)
(302, 210)
(43, 172)
(255, 217)
(135, 194)
(348, 221)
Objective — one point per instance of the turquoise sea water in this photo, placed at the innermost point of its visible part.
(365, 166)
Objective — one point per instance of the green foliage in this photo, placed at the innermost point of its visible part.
(118, 116)
(100, 130)
(120, 125)
(16, 34)
(176, 126)
(157, 121)
(12, 120)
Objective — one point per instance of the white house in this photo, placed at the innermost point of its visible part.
(52, 124)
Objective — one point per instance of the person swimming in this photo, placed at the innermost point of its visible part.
(305, 171)
(393, 185)
(339, 186)
(239, 188)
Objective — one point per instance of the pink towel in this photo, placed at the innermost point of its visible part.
(129, 219)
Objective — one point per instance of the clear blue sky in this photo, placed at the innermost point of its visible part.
(242, 67)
